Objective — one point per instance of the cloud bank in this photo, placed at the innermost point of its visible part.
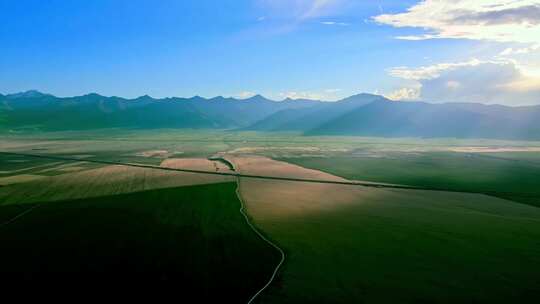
(325, 95)
(495, 20)
(512, 77)
(500, 82)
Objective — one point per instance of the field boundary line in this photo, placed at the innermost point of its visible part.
(280, 178)
(236, 174)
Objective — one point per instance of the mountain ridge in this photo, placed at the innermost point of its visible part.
(358, 115)
(36, 94)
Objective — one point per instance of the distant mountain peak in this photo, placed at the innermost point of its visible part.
(363, 98)
(358, 115)
(365, 95)
(92, 95)
(218, 98)
(144, 97)
(27, 94)
(257, 98)
(197, 98)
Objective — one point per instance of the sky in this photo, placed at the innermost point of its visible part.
(434, 51)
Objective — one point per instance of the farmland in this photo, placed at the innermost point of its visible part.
(91, 213)
(270, 151)
(187, 239)
(512, 176)
(356, 243)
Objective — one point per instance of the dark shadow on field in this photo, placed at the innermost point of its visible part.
(187, 242)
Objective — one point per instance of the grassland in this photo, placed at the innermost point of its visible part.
(189, 240)
(349, 244)
(102, 181)
(514, 176)
(344, 244)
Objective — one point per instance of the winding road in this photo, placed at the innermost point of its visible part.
(236, 168)
(281, 252)
(242, 210)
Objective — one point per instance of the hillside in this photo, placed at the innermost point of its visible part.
(358, 115)
(34, 110)
(417, 119)
(383, 117)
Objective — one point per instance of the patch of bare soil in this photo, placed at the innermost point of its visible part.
(243, 150)
(74, 166)
(276, 199)
(17, 179)
(154, 153)
(107, 180)
(260, 165)
(494, 149)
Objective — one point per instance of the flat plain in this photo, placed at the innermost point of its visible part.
(471, 234)
(355, 243)
(513, 176)
(189, 240)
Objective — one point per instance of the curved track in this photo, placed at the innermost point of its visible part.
(281, 252)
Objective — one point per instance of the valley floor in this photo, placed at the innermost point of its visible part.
(78, 220)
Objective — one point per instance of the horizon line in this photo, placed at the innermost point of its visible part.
(191, 97)
(266, 98)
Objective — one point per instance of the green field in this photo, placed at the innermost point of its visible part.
(140, 230)
(514, 176)
(409, 247)
(188, 240)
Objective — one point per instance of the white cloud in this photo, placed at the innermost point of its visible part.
(496, 20)
(301, 95)
(520, 51)
(511, 77)
(429, 72)
(453, 84)
(332, 91)
(245, 94)
(325, 95)
(488, 81)
(404, 94)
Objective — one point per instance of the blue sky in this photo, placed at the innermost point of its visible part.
(322, 49)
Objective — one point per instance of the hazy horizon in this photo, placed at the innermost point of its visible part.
(240, 98)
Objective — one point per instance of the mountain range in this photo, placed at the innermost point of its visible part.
(360, 115)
